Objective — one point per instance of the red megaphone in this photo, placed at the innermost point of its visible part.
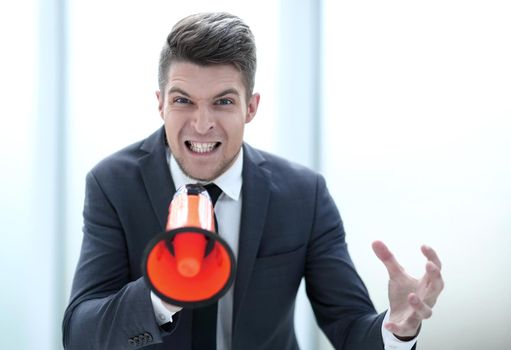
(189, 265)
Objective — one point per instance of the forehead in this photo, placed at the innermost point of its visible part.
(194, 78)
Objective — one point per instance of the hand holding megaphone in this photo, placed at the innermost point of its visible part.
(189, 265)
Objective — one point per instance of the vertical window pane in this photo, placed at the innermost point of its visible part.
(23, 293)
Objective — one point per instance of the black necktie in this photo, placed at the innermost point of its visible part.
(204, 318)
(214, 192)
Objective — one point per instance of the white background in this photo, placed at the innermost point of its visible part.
(417, 149)
(415, 117)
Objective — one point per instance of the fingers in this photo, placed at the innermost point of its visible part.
(421, 310)
(431, 255)
(434, 280)
(434, 283)
(395, 269)
(383, 253)
(433, 272)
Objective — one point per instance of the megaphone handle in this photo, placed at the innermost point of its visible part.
(209, 246)
(211, 243)
(170, 245)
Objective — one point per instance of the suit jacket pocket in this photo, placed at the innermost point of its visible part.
(294, 256)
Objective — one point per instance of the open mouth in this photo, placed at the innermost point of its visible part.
(202, 147)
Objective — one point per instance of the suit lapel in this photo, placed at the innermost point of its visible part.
(256, 195)
(156, 176)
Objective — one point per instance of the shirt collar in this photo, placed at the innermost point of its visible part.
(229, 182)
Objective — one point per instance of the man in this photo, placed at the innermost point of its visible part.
(278, 217)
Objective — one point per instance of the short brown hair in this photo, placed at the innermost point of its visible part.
(208, 39)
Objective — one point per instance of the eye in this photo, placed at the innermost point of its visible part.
(182, 100)
(224, 101)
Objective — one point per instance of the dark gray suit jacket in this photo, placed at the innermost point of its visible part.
(290, 228)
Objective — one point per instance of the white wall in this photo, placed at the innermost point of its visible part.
(415, 142)
(416, 149)
(26, 250)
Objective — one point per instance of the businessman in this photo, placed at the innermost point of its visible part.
(277, 216)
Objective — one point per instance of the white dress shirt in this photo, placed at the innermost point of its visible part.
(228, 213)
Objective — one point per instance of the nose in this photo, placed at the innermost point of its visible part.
(203, 120)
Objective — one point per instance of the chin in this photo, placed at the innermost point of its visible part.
(201, 175)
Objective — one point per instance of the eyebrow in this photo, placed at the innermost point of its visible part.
(232, 91)
(178, 90)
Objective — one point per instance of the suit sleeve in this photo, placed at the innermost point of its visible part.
(107, 310)
(338, 296)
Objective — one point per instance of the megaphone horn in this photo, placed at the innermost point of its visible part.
(189, 264)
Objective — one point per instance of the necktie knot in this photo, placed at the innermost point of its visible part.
(214, 192)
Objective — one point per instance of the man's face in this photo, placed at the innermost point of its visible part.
(204, 109)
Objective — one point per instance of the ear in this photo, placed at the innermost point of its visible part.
(159, 97)
(253, 104)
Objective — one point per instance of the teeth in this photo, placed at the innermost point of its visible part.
(201, 147)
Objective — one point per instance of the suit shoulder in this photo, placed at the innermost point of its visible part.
(285, 171)
(280, 163)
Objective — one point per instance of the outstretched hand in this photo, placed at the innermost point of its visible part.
(411, 300)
